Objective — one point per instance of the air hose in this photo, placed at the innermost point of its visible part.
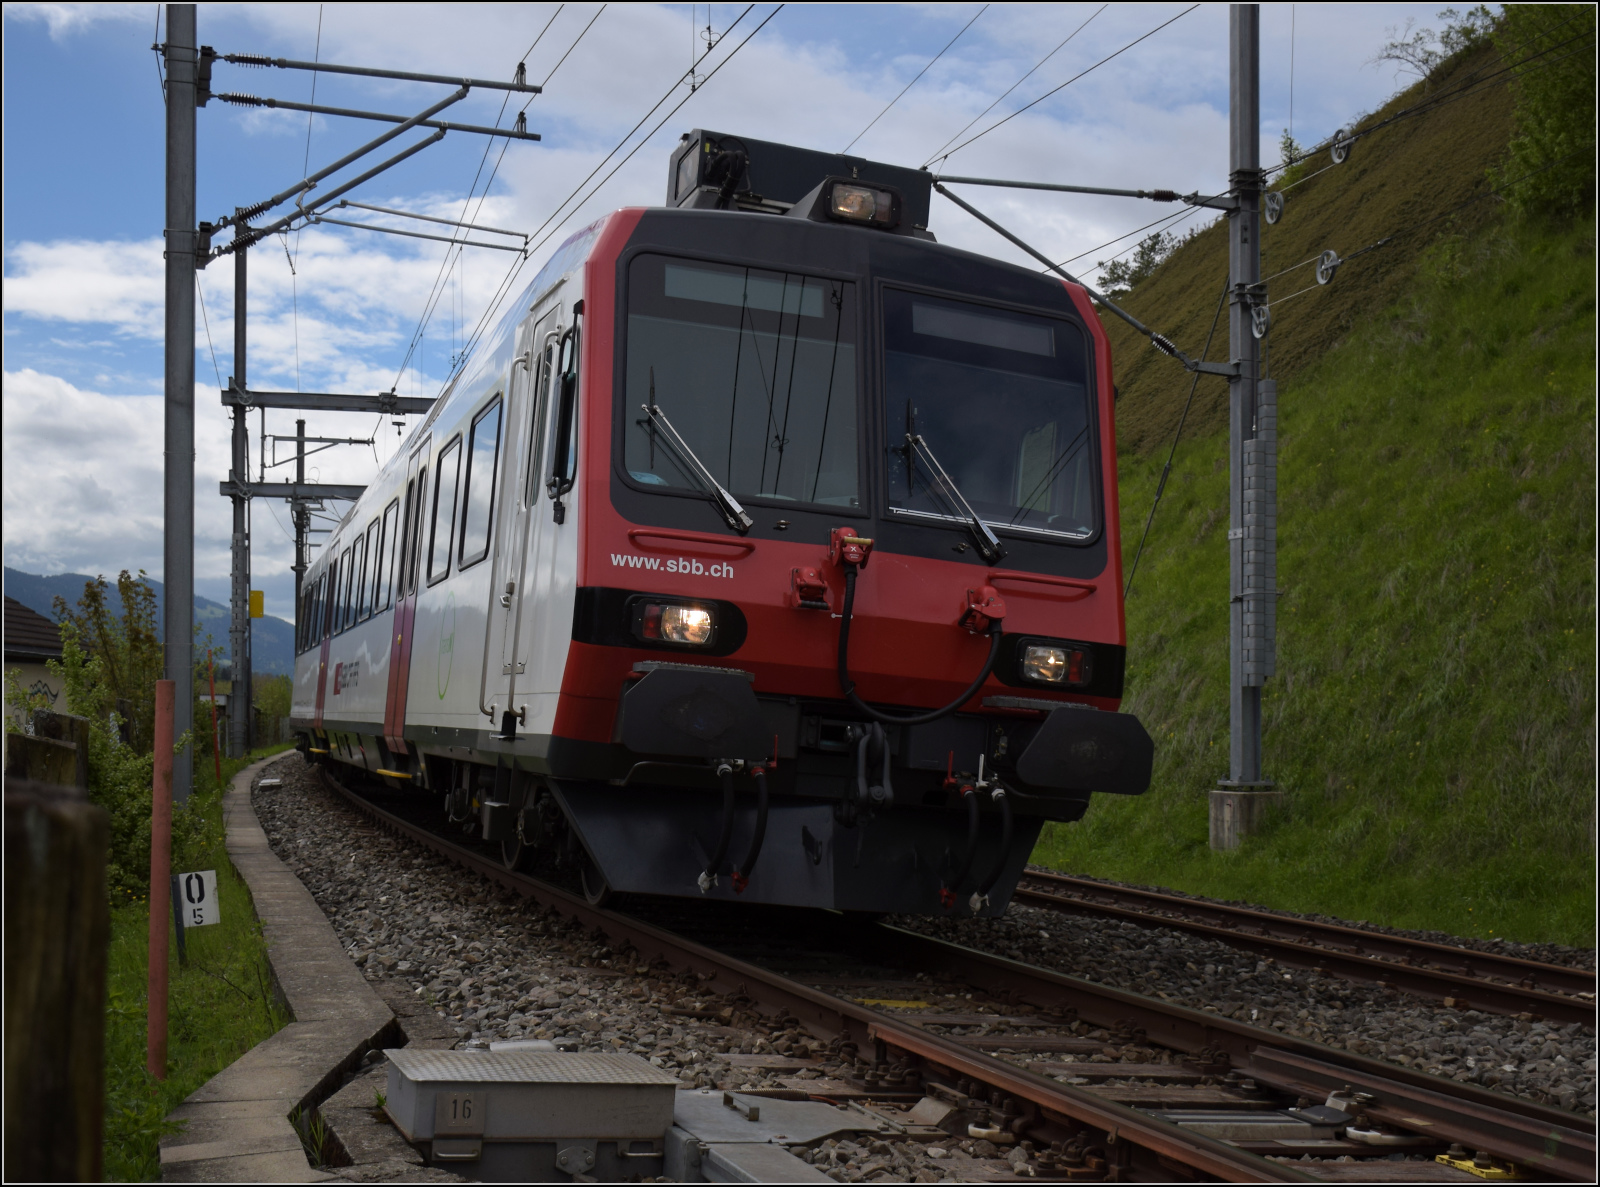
(847, 686)
(981, 897)
(741, 875)
(708, 877)
(947, 892)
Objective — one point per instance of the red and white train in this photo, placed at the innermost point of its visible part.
(768, 549)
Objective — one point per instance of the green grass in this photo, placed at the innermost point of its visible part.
(219, 1005)
(1431, 721)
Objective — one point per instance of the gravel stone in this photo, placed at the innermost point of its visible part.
(1548, 1062)
(460, 958)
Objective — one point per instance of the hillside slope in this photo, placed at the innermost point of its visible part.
(1397, 177)
(1432, 719)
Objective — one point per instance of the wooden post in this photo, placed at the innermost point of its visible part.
(160, 878)
(56, 928)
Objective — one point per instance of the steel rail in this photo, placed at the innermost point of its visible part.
(1538, 1136)
(1557, 1143)
(1468, 979)
(1135, 1141)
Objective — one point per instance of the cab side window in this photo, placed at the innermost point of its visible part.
(444, 511)
(483, 452)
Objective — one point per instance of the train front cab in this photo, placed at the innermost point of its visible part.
(917, 430)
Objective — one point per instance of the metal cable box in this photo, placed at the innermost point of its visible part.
(533, 1116)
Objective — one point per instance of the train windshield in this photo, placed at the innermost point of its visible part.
(1001, 400)
(756, 371)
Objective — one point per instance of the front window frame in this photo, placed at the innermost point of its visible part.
(860, 323)
(880, 410)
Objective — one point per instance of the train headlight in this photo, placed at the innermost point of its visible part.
(875, 205)
(1047, 665)
(673, 622)
(1055, 663)
(686, 624)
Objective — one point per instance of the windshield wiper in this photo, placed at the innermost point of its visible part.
(989, 545)
(725, 503)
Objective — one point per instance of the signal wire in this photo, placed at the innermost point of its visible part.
(435, 292)
(1444, 98)
(510, 278)
(1393, 235)
(1014, 86)
(913, 82)
(1171, 453)
(1069, 82)
(516, 269)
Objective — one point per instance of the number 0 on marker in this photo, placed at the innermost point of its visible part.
(198, 898)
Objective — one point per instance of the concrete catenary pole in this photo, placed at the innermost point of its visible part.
(182, 54)
(239, 629)
(1238, 802)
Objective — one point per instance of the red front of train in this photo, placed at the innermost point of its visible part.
(821, 423)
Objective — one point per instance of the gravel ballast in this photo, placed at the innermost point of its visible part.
(1550, 1063)
(494, 966)
(489, 965)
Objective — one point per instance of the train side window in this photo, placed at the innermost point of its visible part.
(330, 597)
(564, 453)
(341, 608)
(446, 488)
(408, 532)
(383, 557)
(413, 551)
(360, 590)
(314, 619)
(539, 403)
(477, 496)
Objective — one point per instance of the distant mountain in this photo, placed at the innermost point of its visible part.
(271, 639)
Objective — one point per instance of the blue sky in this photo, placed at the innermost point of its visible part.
(84, 143)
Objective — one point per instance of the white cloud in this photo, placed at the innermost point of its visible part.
(64, 20)
(82, 482)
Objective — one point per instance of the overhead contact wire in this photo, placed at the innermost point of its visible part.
(914, 81)
(516, 268)
(999, 99)
(485, 320)
(1070, 81)
(435, 293)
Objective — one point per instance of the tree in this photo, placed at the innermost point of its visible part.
(1119, 276)
(1550, 168)
(128, 656)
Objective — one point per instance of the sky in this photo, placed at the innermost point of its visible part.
(338, 309)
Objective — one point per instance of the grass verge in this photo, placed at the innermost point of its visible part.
(220, 1003)
(1432, 717)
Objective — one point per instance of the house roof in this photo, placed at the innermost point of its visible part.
(29, 636)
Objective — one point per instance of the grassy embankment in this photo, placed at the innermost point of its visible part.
(1431, 722)
(220, 1004)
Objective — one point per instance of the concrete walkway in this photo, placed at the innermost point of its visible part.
(238, 1121)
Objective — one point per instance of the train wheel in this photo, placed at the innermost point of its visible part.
(516, 851)
(595, 887)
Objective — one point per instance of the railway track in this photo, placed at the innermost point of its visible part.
(1456, 977)
(1090, 1081)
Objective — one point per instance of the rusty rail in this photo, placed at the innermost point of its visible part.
(1149, 1142)
(1559, 1144)
(1458, 977)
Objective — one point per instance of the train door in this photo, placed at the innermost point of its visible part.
(553, 565)
(525, 519)
(405, 610)
(330, 586)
